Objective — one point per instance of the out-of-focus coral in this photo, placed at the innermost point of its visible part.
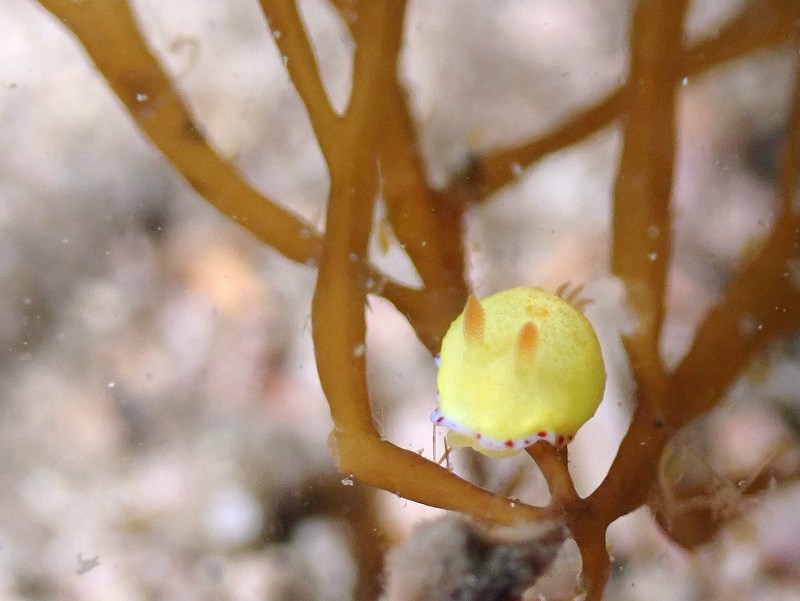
(451, 558)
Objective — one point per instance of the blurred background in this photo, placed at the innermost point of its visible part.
(162, 429)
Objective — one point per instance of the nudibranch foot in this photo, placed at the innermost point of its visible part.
(480, 442)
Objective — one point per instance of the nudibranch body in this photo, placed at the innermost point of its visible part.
(519, 366)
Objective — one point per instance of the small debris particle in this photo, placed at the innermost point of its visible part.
(86, 565)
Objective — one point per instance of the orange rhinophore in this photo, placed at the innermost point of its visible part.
(474, 321)
(526, 346)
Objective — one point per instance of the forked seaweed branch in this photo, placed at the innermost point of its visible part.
(372, 147)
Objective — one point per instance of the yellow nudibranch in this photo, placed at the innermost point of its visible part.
(519, 366)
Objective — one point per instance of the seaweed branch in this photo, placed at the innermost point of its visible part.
(287, 30)
(371, 150)
(760, 25)
(338, 308)
(427, 225)
(643, 188)
(760, 304)
(157, 108)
